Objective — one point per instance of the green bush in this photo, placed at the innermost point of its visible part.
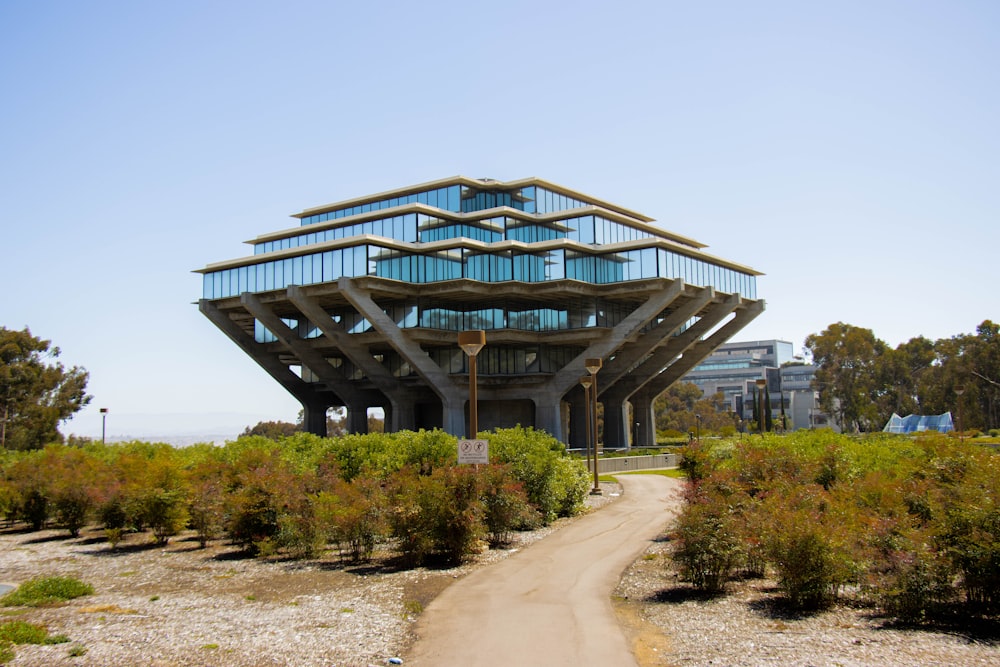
(438, 514)
(22, 632)
(555, 484)
(505, 504)
(354, 516)
(46, 590)
(706, 543)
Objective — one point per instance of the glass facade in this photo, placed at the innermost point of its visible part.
(474, 264)
(331, 245)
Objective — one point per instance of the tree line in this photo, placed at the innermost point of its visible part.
(861, 380)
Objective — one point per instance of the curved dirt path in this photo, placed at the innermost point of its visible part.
(551, 603)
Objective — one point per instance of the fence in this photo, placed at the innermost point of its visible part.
(626, 463)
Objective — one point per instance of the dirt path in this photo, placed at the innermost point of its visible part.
(550, 604)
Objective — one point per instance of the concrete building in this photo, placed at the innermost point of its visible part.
(360, 305)
(734, 368)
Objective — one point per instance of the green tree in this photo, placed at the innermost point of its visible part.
(272, 430)
(678, 409)
(849, 359)
(36, 392)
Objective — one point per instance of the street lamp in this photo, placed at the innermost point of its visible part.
(586, 381)
(761, 383)
(959, 390)
(697, 427)
(471, 343)
(593, 365)
(104, 423)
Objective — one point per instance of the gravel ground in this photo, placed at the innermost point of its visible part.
(182, 605)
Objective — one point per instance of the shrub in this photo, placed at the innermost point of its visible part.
(554, 488)
(206, 501)
(22, 632)
(407, 523)
(164, 512)
(436, 514)
(505, 504)
(353, 514)
(46, 590)
(707, 545)
(915, 584)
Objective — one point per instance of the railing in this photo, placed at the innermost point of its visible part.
(626, 463)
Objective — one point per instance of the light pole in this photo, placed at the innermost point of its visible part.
(104, 423)
(959, 390)
(471, 343)
(593, 365)
(586, 381)
(697, 428)
(761, 383)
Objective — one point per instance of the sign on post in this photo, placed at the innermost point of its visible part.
(473, 451)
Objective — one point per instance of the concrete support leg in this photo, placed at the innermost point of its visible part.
(357, 418)
(548, 417)
(578, 411)
(616, 423)
(314, 417)
(642, 413)
(453, 417)
(401, 414)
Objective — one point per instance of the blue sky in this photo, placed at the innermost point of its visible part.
(847, 150)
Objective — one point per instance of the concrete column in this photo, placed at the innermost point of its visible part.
(401, 414)
(357, 418)
(642, 412)
(616, 422)
(314, 416)
(577, 419)
(453, 416)
(548, 416)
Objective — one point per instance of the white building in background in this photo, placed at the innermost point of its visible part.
(734, 368)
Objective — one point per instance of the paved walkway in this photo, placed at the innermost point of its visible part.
(549, 604)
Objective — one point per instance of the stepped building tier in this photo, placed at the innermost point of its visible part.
(360, 305)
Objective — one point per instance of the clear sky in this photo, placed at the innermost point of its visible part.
(848, 150)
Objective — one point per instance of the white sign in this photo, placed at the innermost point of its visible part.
(473, 451)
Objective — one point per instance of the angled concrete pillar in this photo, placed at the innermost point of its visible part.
(400, 413)
(452, 397)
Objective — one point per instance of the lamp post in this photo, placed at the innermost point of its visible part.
(959, 390)
(697, 427)
(471, 343)
(593, 365)
(586, 381)
(104, 423)
(761, 383)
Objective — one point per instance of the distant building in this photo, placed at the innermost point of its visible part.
(734, 368)
(360, 304)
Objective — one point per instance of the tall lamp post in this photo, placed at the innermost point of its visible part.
(959, 390)
(586, 381)
(471, 343)
(104, 423)
(761, 383)
(697, 427)
(592, 366)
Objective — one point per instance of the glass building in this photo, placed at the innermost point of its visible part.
(359, 306)
(734, 368)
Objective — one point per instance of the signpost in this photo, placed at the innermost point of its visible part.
(473, 451)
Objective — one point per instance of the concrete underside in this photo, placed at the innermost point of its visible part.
(653, 345)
